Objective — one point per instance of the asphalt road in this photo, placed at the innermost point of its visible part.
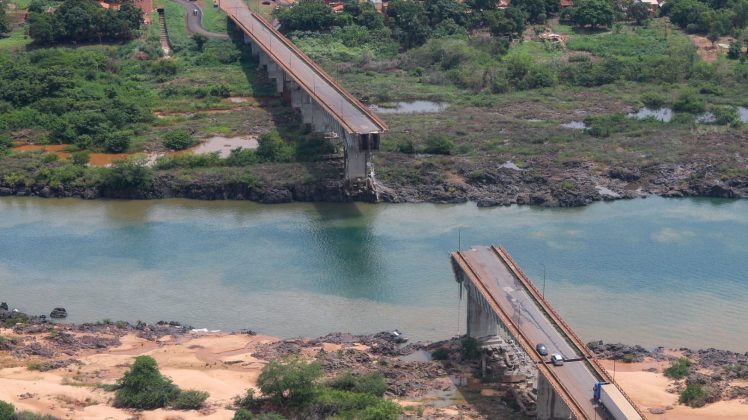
(527, 316)
(195, 21)
(311, 79)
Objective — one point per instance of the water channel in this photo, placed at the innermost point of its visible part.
(651, 271)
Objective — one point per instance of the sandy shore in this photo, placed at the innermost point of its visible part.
(218, 363)
(649, 390)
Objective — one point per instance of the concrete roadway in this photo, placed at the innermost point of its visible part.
(354, 116)
(195, 22)
(511, 296)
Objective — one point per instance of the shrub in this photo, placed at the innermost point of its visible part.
(144, 387)
(116, 142)
(406, 146)
(653, 100)
(128, 174)
(290, 382)
(439, 145)
(243, 414)
(678, 368)
(80, 158)
(7, 411)
(470, 348)
(371, 383)
(440, 354)
(190, 400)
(247, 401)
(241, 157)
(188, 161)
(695, 395)
(272, 148)
(689, 102)
(178, 139)
(725, 115)
(347, 404)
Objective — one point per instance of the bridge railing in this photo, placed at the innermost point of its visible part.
(459, 263)
(530, 286)
(258, 25)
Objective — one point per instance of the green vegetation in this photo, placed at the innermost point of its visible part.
(440, 354)
(179, 139)
(84, 21)
(7, 411)
(470, 349)
(715, 18)
(4, 25)
(291, 382)
(143, 387)
(370, 383)
(695, 395)
(678, 368)
(294, 386)
(190, 400)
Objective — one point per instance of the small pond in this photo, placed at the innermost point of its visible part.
(414, 107)
(743, 114)
(224, 145)
(660, 114)
(577, 125)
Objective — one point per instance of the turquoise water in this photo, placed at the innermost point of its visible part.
(658, 271)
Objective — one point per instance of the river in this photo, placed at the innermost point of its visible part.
(653, 271)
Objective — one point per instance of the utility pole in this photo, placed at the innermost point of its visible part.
(543, 280)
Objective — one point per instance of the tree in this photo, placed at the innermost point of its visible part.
(306, 15)
(292, 382)
(116, 142)
(272, 148)
(638, 12)
(410, 21)
(508, 23)
(736, 48)
(199, 40)
(442, 10)
(144, 387)
(533, 9)
(593, 13)
(687, 13)
(84, 21)
(7, 411)
(4, 26)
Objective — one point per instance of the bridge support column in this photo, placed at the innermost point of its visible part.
(550, 406)
(480, 320)
(355, 158)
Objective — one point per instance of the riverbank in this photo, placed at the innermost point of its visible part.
(404, 179)
(62, 370)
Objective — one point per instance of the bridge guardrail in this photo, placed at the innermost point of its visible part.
(375, 119)
(553, 379)
(599, 369)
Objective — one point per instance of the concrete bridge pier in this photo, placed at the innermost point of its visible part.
(549, 404)
(356, 146)
(481, 320)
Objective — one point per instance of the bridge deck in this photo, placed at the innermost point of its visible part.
(344, 107)
(532, 321)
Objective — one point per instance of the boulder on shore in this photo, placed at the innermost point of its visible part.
(58, 313)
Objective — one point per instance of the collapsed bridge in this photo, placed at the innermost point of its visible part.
(503, 302)
(322, 102)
